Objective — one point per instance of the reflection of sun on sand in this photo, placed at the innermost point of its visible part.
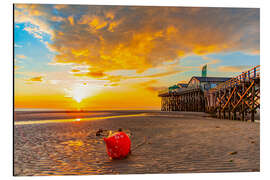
(77, 119)
(73, 143)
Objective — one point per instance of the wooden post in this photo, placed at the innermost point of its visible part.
(186, 108)
(229, 107)
(253, 103)
(243, 104)
(224, 111)
(219, 108)
(234, 100)
(161, 105)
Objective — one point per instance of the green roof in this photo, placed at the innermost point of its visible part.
(173, 87)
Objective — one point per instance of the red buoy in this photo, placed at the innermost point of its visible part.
(118, 145)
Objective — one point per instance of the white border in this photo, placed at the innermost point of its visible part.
(6, 85)
(201, 3)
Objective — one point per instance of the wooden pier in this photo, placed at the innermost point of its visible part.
(237, 98)
(188, 100)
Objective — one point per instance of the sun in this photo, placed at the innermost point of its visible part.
(80, 91)
(78, 94)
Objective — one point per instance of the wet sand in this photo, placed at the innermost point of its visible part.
(176, 142)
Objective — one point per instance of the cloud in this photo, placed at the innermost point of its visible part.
(16, 68)
(116, 78)
(112, 84)
(151, 85)
(71, 20)
(36, 79)
(156, 89)
(211, 61)
(75, 70)
(35, 17)
(20, 56)
(171, 72)
(97, 74)
(60, 6)
(93, 74)
(109, 38)
(158, 35)
(57, 18)
(35, 30)
(17, 46)
(233, 68)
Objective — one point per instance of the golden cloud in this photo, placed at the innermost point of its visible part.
(233, 68)
(151, 85)
(60, 6)
(57, 18)
(116, 78)
(36, 79)
(71, 20)
(108, 38)
(16, 67)
(20, 56)
(75, 70)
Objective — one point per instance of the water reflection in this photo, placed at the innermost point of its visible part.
(77, 119)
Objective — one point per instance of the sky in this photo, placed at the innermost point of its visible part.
(81, 57)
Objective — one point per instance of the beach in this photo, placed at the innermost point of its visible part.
(65, 143)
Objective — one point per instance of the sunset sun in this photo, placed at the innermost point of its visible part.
(80, 92)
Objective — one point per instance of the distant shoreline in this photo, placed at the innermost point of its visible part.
(57, 115)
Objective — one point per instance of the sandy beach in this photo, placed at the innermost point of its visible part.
(176, 142)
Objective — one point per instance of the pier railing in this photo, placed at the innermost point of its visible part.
(243, 77)
(237, 98)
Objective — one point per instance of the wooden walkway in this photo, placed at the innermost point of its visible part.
(237, 98)
(188, 100)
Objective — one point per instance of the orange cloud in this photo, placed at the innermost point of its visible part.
(36, 79)
(16, 67)
(60, 6)
(94, 74)
(155, 89)
(150, 85)
(57, 18)
(75, 70)
(232, 68)
(71, 20)
(206, 49)
(97, 74)
(108, 38)
(114, 84)
(113, 41)
(20, 56)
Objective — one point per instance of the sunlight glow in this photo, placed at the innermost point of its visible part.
(80, 91)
